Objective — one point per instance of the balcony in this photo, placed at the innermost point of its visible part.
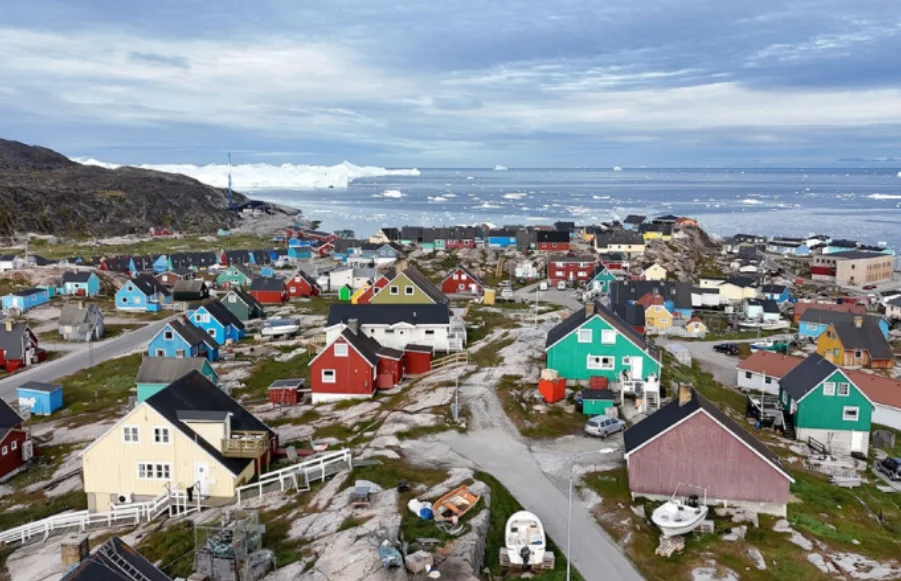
(245, 445)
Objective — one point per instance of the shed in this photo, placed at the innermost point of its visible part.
(417, 359)
(390, 368)
(41, 399)
(595, 402)
(345, 293)
(286, 391)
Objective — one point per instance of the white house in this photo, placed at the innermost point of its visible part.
(763, 370)
(10, 262)
(340, 277)
(363, 277)
(526, 270)
(765, 310)
(399, 325)
(705, 297)
(654, 272)
(893, 308)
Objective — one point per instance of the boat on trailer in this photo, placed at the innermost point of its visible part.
(525, 543)
(453, 505)
(768, 326)
(680, 515)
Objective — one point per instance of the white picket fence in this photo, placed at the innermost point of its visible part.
(297, 476)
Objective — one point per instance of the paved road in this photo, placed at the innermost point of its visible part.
(80, 358)
(594, 554)
(722, 366)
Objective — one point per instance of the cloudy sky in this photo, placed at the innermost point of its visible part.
(538, 83)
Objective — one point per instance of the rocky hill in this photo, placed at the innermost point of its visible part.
(45, 192)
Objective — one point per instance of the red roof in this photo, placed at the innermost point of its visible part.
(882, 390)
(769, 363)
(650, 299)
(834, 307)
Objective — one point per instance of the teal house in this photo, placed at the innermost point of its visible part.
(143, 293)
(242, 305)
(820, 402)
(595, 342)
(236, 275)
(601, 280)
(596, 402)
(157, 373)
(80, 284)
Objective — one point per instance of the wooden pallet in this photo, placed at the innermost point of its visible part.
(549, 562)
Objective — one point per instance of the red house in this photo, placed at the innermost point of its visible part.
(564, 267)
(15, 447)
(675, 446)
(325, 249)
(461, 281)
(345, 369)
(18, 346)
(459, 243)
(552, 241)
(418, 359)
(316, 235)
(301, 285)
(379, 284)
(269, 290)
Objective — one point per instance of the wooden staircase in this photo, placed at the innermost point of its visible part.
(788, 425)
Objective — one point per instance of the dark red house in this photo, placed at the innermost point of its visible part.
(325, 249)
(461, 281)
(459, 243)
(418, 359)
(366, 296)
(317, 235)
(15, 447)
(691, 444)
(269, 290)
(18, 346)
(390, 369)
(565, 267)
(345, 369)
(302, 285)
(552, 241)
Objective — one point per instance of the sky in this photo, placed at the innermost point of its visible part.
(467, 83)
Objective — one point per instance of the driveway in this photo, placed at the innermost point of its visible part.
(552, 295)
(722, 366)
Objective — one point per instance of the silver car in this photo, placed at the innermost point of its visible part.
(602, 426)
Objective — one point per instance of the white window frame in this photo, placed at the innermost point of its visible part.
(850, 408)
(608, 337)
(131, 434)
(590, 364)
(340, 349)
(168, 335)
(394, 290)
(829, 388)
(584, 335)
(844, 389)
(326, 378)
(14, 445)
(161, 435)
(154, 471)
(409, 291)
(5, 451)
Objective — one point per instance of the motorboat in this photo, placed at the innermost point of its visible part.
(276, 327)
(525, 543)
(765, 326)
(680, 516)
(456, 503)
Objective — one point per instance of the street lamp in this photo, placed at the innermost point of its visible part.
(569, 520)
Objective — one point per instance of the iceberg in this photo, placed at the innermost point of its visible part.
(500, 168)
(261, 176)
(885, 196)
(617, 168)
(515, 196)
(389, 194)
(899, 174)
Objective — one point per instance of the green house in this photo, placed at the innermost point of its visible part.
(345, 293)
(242, 305)
(821, 402)
(410, 287)
(595, 342)
(236, 275)
(156, 373)
(596, 402)
(601, 280)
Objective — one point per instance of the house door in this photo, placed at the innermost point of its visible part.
(202, 477)
(636, 363)
(857, 442)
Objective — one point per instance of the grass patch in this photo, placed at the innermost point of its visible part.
(98, 392)
(306, 417)
(703, 382)
(48, 461)
(483, 319)
(503, 504)
(265, 372)
(115, 329)
(151, 246)
(489, 355)
(337, 431)
(556, 422)
(275, 538)
(37, 507)
(346, 404)
(314, 306)
(172, 547)
(349, 523)
(389, 472)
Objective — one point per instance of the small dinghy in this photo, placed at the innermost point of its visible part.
(453, 505)
(526, 545)
(679, 516)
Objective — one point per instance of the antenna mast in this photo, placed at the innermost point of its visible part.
(230, 204)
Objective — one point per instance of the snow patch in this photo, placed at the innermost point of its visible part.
(262, 176)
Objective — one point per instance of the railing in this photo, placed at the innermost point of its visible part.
(244, 447)
(299, 475)
(458, 358)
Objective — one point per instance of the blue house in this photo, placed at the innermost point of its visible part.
(42, 399)
(82, 284)
(814, 322)
(776, 292)
(181, 338)
(144, 293)
(217, 322)
(26, 299)
(162, 264)
(501, 238)
(300, 252)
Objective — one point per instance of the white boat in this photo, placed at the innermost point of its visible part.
(275, 327)
(679, 516)
(764, 326)
(526, 544)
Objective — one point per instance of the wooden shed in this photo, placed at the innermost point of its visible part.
(417, 359)
(286, 391)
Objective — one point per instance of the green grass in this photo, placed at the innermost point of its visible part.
(264, 372)
(503, 504)
(38, 507)
(703, 383)
(98, 392)
(172, 548)
(275, 538)
(152, 246)
(337, 431)
(489, 355)
(556, 422)
(51, 458)
(389, 472)
(314, 306)
(482, 319)
(304, 418)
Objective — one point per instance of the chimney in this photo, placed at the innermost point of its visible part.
(589, 308)
(9, 324)
(353, 325)
(684, 394)
(73, 549)
(858, 321)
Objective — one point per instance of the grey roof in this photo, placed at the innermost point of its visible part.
(807, 375)
(777, 289)
(76, 277)
(192, 334)
(388, 352)
(674, 412)
(9, 418)
(843, 243)
(419, 348)
(867, 337)
(626, 291)
(193, 286)
(71, 314)
(225, 317)
(265, 283)
(552, 236)
(99, 567)
(194, 394)
(242, 269)
(855, 255)
(425, 285)
(895, 302)
(295, 382)
(149, 285)
(632, 314)
(370, 314)
(247, 298)
(201, 415)
(597, 394)
(634, 219)
(167, 369)
(41, 386)
(824, 317)
(603, 239)
(367, 346)
(7, 257)
(576, 320)
(11, 341)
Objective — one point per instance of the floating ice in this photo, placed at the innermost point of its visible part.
(515, 195)
(485, 206)
(751, 202)
(500, 168)
(596, 197)
(470, 178)
(899, 174)
(885, 196)
(390, 194)
(437, 198)
(617, 168)
(261, 176)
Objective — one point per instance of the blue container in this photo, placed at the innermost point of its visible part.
(41, 399)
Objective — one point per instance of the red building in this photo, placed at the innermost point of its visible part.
(325, 249)
(301, 285)
(15, 447)
(316, 235)
(564, 267)
(286, 391)
(378, 285)
(390, 369)
(459, 243)
(461, 281)
(354, 366)
(674, 446)
(269, 290)
(418, 359)
(18, 346)
(614, 261)
(552, 241)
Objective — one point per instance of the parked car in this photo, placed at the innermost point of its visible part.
(561, 285)
(542, 286)
(869, 287)
(727, 348)
(602, 426)
(891, 467)
(504, 284)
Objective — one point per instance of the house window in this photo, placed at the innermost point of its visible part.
(123, 300)
(212, 332)
(429, 332)
(858, 354)
(154, 471)
(160, 353)
(130, 434)
(456, 276)
(341, 350)
(554, 245)
(850, 413)
(5, 450)
(584, 335)
(13, 445)
(768, 380)
(844, 389)
(748, 375)
(608, 337)
(408, 290)
(394, 290)
(829, 388)
(232, 299)
(328, 376)
(161, 435)
(600, 362)
(168, 335)
(180, 353)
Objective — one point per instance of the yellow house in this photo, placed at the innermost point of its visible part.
(410, 287)
(829, 346)
(357, 293)
(656, 317)
(696, 327)
(655, 272)
(737, 289)
(190, 435)
(626, 241)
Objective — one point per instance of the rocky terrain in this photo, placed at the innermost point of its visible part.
(45, 192)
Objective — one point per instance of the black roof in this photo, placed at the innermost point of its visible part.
(576, 320)
(856, 255)
(741, 281)
(247, 298)
(29, 291)
(595, 394)
(149, 285)
(7, 257)
(225, 317)
(867, 337)
(603, 239)
(100, 567)
(895, 302)
(565, 226)
(843, 243)
(391, 233)
(419, 348)
(552, 236)
(192, 334)
(9, 418)
(807, 375)
(503, 233)
(437, 314)
(626, 291)
(76, 277)
(674, 412)
(634, 219)
(633, 314)
(425, 285)
(367, 346)
(267, 283)
(296, 382)
(777, 289)
(666, 218)
(768, 305)
(195, 393)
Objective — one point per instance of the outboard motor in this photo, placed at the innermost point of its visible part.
(693, 501)
(525, 554)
